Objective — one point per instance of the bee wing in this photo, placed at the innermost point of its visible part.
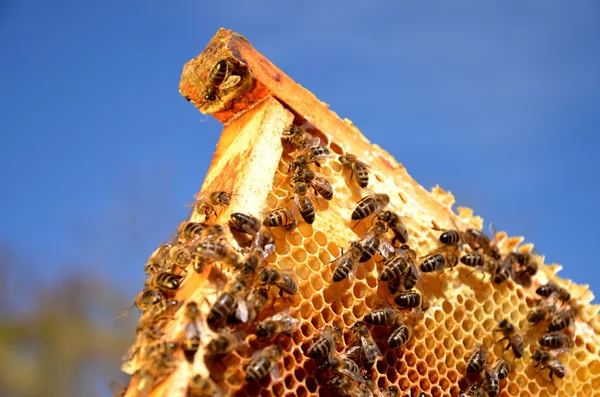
(365, 342)
(241, 310)
(353, 351)
(231, 81)
(385, 248)
(274, 372)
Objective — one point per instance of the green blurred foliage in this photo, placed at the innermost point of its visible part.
(66, 341)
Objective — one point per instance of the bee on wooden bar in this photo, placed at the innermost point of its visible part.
(553, 288)
(190, 231)
(219, 78)
(144, 300)
(408, 300)
(358, 170)
(491, 382)
(369, 351)
(326, 343)
(158, 311)
(263, 362)
(375, 240)
(180, 255)
(285, 282)
(515, 340)
(157, 261)
(199, 386)
(397, 226)
(563, 319)
(164, 281)
(280, 323)
(231, 299)
(477, 359)
(193, 332)
(224, 343)
(280, 217)
(503, 369)
(345, 265)
(217, 251)
(556, 340)
(547, 360)
(157, 348)
(244, 223)
(371, 204)
(298, 136)
(206, 203)
(399, 337)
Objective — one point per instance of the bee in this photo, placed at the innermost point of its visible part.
(311, 155)
(556, 340)
(272, 276)
(190, 231)
(545, 309)
(280, 217)
(390, 391)
(154, 372)
(369, 351)
(224, 343)
(303, 203)
(158, 311)
(503, 369)
(549, 361)
(263, 362)
(205, 204)
(256, 300)
(477, 360)
(451, 237)
(144, 300)
(528, 265)
(280, 323)
(199, 386)
(476, 239)
(244, 223)
(157, 261)
(408, 300)
(473, 260)
(192, 334)
(371, 204)
(515, 340)
(219, 78)
(563, 319)
(399, 264)
(346, 263)
(359, 170)
(552, 288)
(438, 261)
(340, 363)
(234, 294)
(385, 316)
(158, 348)
(491, 382)
(248, 267)
(399, 336)
(347, 386)
(375, 240)
(300, 137)
(326, 343)
(180, 255)
(217, 74)
(217, 251)
(164, 281)
(395, 223)
(263, 244)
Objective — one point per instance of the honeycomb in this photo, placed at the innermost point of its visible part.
(462, 308)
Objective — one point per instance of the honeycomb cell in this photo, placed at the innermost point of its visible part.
(479, 314)
(467, 325)
(469, 305)
(447, 307)
(433, 376)
(299, 255)
(316, 282)
(302, 272)
(278, 389)
(294, 239)
(310, 247)
(439, 316)
(488, 307)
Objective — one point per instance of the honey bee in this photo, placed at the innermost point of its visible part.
(399, 264)
(477, 359)
(256, 300)
(219, 78)
(399, 337)
(514, 338)
(385, 316)
(224, 343)
(244, 223)
(180, 255)
(303, 203)
(321, 186)
(326, 343)
(505, 271)
(300, 137)
(280, 217)
(217, 74)
(528, 265)
(358, 170)
(438, 261)
(158, 348)
(164, 281)
(503, 369)
(547, 360)
(198, 386)
(473, 260)
(553, 288)
(556, 340)
(205, 204)
(157, 261)
(154, 372)
(144, 300)
(347, 386)
(340, 363)
(408, 300)
(390, 391)
(563, 319)
(263, 362)
(158, 311)
(263, 244)
(231, 299)
(374, 240)
(280, 323)
(491, 382)
(345, 265)
(477, 240)
(190, 231)
(311, 155)
(248, 267)
(192, 334)
(371, 204)
(396, 224)
(543, 311)
(369, 351)
(217, 251)
(451, 237)
(285, 283)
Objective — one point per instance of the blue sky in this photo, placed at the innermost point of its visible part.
(498, 103)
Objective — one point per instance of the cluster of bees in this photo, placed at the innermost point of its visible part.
(246, 280)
